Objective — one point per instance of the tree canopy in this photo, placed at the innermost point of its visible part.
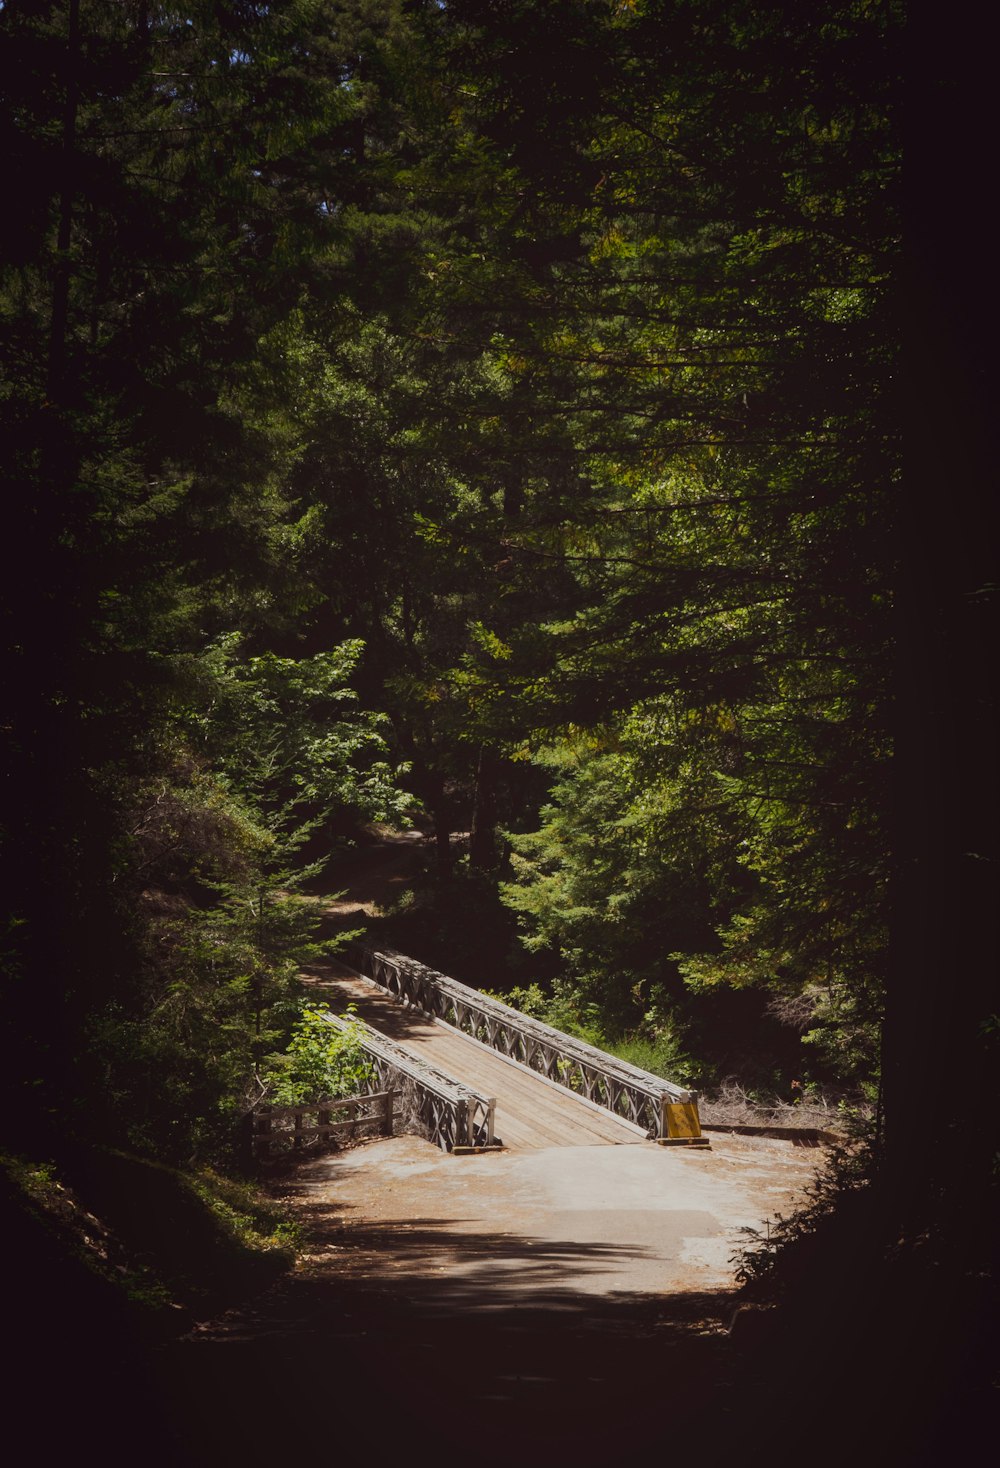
(480, 412)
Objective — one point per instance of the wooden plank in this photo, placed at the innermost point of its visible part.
(379, 1107)
(428, 979)
(288, 1113)
(532, 1111)
(518, 1085)
(641, 1133)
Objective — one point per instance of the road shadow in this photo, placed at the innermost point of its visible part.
(337, 1362)
(379, 1008)
(370, 878)
(370, 1356)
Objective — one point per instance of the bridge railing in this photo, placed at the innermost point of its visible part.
(454, 1116)
(636, 1095)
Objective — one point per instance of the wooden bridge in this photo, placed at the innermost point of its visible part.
(484, 1074)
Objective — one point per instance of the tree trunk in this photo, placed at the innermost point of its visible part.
(439, 806)
(941, 1042)
(59, 321)
(483, 853)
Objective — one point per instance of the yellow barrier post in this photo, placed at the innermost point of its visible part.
(681, 1126)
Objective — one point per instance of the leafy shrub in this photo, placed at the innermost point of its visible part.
(774, 1259)
(660, 1052)
(321, 1062)
(653, 1046)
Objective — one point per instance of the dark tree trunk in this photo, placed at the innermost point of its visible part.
(440, 809)
(941, 1045)
(483, 851)
(59, 323)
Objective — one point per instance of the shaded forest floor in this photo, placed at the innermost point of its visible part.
(332, 1364)
(848, 1349)
(372, 1347)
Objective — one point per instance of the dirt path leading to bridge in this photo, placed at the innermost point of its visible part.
(510, 1227)
(379, 874)
(520, 1306)
(505, 1307)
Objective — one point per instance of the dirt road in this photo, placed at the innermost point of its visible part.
(509, 1227)
(501, 1307)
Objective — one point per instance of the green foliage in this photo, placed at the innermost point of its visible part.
(172, 1243)
(653, 1045)
(321, 1062)
(175, 1061)
(505, 410)
(770, 1258)
(289, 741)
(664, 871)
(611, 880)
(257, 1222)
(661, 1052)
(714, 708)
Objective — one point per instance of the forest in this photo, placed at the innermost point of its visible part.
(484, 416)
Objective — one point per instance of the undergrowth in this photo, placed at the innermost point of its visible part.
(653, 1047)
(321, 1062)
(732, 1104)
(770, 1260)
(169, 1247)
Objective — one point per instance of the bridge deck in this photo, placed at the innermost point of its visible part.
(531, 1112)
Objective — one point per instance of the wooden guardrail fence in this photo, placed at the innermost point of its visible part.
(280, 1128)
(667, 1112)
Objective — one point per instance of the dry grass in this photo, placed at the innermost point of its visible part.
(732, 1105)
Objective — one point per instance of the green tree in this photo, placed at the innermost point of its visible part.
(321, 1062)
(708, 352)
(185, 172)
